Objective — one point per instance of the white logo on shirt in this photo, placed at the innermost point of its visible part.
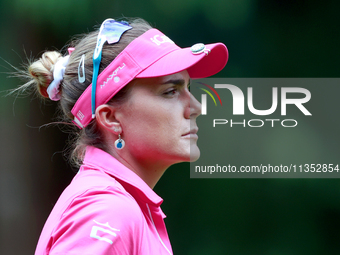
(164, 39)
(95, 229)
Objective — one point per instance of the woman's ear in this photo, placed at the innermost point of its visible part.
(106, 118)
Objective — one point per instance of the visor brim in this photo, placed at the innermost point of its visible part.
(200, 65)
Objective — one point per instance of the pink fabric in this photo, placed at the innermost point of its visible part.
(150, 55)
(107, 209)
(70, 50)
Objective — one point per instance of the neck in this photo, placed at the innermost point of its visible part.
(149, 172)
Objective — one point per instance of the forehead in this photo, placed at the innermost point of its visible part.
(177, 76)
(181, 77)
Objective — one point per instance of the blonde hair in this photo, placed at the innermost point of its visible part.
(40, 75)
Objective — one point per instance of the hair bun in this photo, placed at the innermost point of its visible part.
(42, 71)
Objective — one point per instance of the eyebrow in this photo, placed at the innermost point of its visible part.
(176, 82)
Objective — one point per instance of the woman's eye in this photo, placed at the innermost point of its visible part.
(170, 92)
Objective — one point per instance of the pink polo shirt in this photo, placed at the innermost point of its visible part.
(107, 209)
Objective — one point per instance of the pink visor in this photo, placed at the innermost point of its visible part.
(150, 55)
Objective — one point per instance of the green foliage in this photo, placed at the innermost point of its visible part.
(265, 38)
(59, 13)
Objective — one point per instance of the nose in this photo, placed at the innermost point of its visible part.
(195, 107)
(193, 110)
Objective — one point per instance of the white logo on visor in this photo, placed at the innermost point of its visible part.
(114, 73)
(164, 39)
(80, 115)
(103, 233)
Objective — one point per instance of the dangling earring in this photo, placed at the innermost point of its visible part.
(119, 143)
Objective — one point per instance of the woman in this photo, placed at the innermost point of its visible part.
(126, 90)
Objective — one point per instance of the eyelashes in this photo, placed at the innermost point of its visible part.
(176, 89)
(171, 92)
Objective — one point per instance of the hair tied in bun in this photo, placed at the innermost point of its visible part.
(58, 75)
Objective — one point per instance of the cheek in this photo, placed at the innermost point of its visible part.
(152, 128)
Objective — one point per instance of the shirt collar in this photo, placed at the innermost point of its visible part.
(131, 181)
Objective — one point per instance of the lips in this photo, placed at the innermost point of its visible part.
(191, 132)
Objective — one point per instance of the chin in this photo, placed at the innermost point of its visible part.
(194, 153)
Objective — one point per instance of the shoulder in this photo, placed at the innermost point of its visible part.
(100, 218)
(99, 201)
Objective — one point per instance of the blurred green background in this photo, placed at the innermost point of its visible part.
(265, 38)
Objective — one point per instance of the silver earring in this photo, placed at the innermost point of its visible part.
(119, 143)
